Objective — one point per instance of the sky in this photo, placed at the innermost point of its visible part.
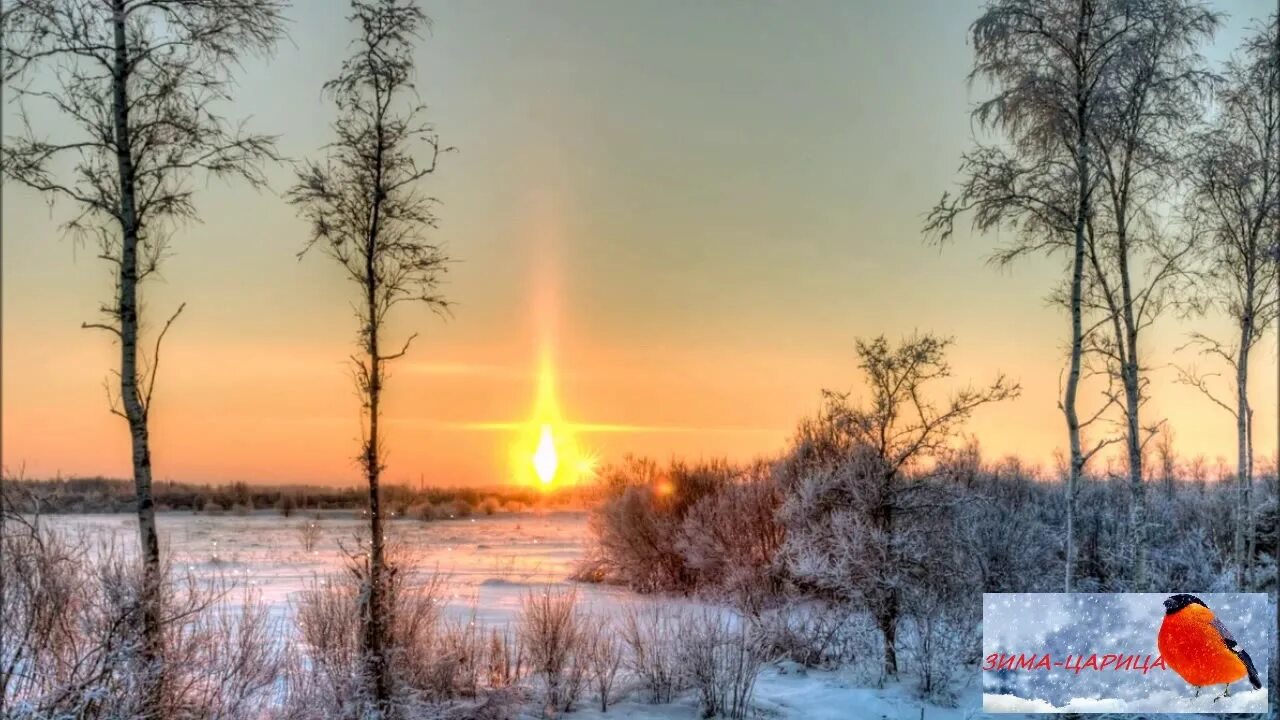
(693, 209)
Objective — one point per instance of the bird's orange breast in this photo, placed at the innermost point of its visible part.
(1195, 650)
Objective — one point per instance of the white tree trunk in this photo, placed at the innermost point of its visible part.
(127, 305)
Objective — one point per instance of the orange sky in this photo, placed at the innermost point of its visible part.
(694, 211)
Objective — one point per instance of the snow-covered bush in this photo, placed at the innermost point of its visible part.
(309, 534)
(70, 619)
(818, 634)
(729, 539)
(719, 661)
(636, 523)
(865, 523)
(602, 651)
(652, 635)
(941, 644)
(424, 657)
(551, 630)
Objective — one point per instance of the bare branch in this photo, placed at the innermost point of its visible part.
(155, 360)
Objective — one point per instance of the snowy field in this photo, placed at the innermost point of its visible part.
(490, 562)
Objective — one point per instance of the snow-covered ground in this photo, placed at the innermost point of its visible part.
(490, 562)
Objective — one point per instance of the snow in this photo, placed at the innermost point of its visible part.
(490, 562)
(1251, 701)
(815, 695)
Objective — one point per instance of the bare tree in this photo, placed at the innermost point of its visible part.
(369, 213)
(1050, 64)
(1235, 194)
(1167, 456)
(139, 83)
(1136, 258)
(846, 519)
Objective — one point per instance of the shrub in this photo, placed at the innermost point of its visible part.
(730, 539)
(720, 663)
(309, 534)
(818, 635)
(70, 617)
(636, 525)
(551, 631)
(328, 682)
(652, 636)
(603, 653)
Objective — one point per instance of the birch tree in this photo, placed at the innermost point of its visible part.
(1137, 257)
(136, 87)
(1049, 64)
(1235, 193)
(368, 212)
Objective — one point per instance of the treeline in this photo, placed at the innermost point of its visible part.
(109, 495)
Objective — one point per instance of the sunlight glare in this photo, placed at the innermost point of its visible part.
(544, 458)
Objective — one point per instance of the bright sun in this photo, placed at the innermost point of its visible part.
(544, 458)
(546, 452)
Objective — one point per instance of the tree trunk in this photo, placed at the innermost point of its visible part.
(127, 305)
(377, 625)
(376, 621)
(1076, 466)
(1244, 455)
(1130, 370)
(887, 619)
(1137, 489)
(888, 606)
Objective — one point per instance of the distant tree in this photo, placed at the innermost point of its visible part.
(1051, 63)
(369, 213)
(845, 517)
(1235, 195)
(137, 83)
(1167, 456)
(1137, 260)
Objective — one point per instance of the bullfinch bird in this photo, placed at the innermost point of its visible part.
(1200, 648)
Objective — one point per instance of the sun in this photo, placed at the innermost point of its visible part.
(544, 458)
(546, 453)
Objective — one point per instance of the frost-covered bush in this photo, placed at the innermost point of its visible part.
(551, 630)
(818, 634)
(941, 643)
(602, 651)
(709, 528)
(430, 660)
(729, 539)
(719, 662)
(70, 619)
(309, 534)
(652, 636)
(636, 523)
